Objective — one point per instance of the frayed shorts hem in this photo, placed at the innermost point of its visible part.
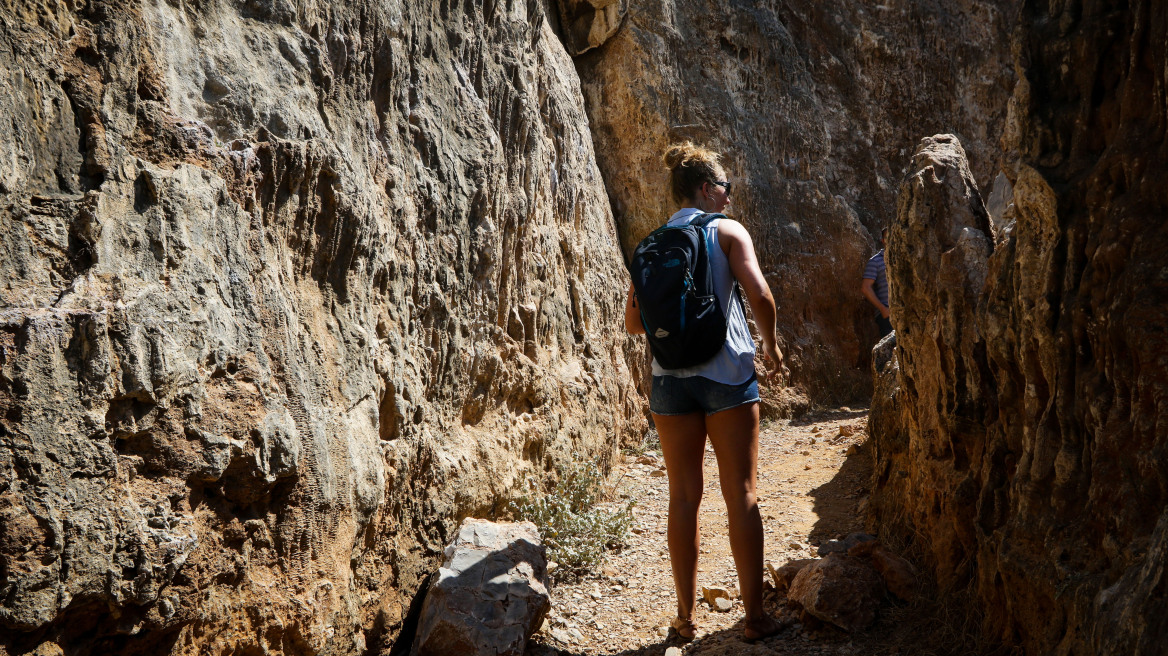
(672, 396)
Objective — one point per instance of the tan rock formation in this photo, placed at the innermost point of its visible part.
(1019, 421)
(289, 288)
(816, 106)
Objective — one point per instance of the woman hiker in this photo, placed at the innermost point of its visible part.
(718, 398)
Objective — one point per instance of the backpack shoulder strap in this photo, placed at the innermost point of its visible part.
(704, 220)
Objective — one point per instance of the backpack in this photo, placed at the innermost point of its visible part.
(674, 286)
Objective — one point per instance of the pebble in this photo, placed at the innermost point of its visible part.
(723, 605)
(673, 651)
(657, 473)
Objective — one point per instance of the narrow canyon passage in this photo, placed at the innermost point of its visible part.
(813, 478)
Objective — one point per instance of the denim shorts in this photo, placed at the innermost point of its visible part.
(681, 396)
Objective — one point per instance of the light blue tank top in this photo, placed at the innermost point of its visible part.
(734, 364)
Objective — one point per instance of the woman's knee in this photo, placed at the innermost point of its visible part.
(686, 506)
(739, 499)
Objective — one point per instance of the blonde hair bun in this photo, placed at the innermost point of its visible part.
(689, 166)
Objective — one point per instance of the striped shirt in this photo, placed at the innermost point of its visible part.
(875, 271)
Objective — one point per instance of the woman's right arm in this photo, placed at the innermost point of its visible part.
(633, 314)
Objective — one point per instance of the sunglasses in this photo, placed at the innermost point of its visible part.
(724, 185)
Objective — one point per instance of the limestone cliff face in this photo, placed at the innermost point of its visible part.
(289, 287)
(1021, 422)
(816, 106)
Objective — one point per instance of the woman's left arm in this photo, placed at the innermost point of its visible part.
(739, 249)
(633, 314)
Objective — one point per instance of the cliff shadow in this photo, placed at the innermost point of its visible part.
(837, 503)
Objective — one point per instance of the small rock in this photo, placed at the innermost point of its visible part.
(852, 450)
(846, 431)
(815, 429)
(552, 566)
(647, 460)
(806, 467)
(673, 651)
(713, 593)
(723, 605)
(560, 635)
(806, 453)
(657, 473)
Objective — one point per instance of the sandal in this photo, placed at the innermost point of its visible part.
(763, 627)
(685, 629)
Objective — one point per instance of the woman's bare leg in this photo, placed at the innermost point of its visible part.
(683, 443)
(734, 435)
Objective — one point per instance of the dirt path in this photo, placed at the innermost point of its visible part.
(813, 474)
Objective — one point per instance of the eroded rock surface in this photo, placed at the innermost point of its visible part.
(817, 106)
(288, 289)
(1021, 417)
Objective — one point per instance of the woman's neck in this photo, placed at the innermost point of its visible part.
(701, 204)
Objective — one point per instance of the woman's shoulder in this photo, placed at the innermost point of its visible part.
(729, 228)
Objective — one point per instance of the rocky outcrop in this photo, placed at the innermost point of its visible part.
(817, 106)
(586, 24)
(289, 288)
(1019, 420)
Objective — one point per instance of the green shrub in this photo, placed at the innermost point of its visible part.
(575, 529)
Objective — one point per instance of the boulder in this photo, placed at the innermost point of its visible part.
(490, 595)
(839, 589)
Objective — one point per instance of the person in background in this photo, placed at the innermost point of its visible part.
(875, 287)
(718, 398)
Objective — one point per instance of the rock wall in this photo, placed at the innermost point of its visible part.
(289, 288)
(1021, 420)
(816, 106)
